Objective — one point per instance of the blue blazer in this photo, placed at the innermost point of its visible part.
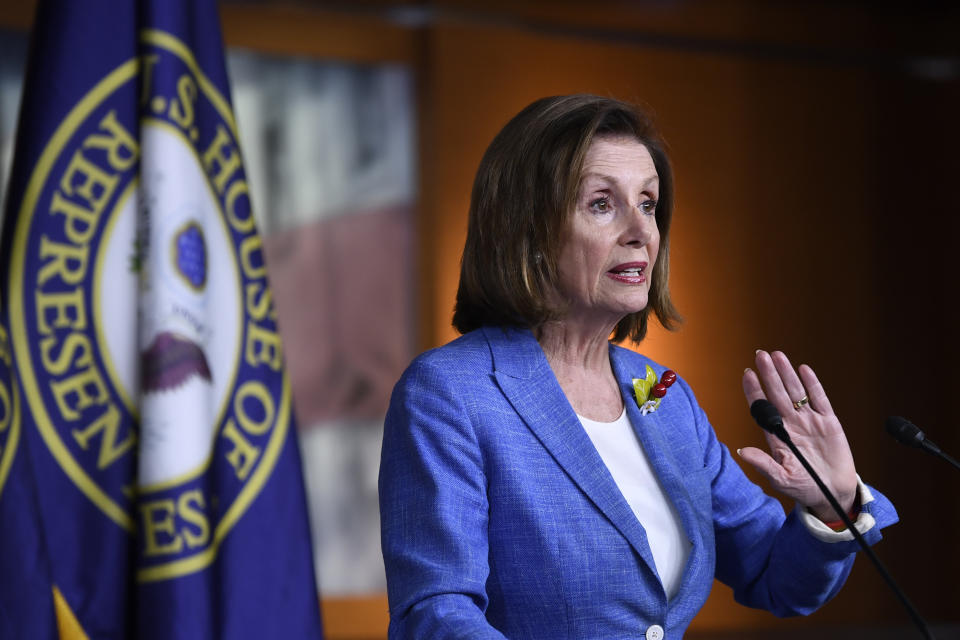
(499, 518)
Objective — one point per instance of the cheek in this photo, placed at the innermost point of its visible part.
(653, 247)
(586, 254)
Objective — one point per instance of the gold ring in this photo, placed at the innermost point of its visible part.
(801, 403)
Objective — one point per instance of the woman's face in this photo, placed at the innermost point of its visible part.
(607, 260)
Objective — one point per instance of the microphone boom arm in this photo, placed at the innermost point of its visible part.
(769, 419)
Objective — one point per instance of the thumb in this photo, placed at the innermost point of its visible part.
(762, 462)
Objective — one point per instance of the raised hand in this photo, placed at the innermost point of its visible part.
(814, 429)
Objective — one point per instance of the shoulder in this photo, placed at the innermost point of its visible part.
(457, 369)
(467, 355)
(514, 351)
(445, 388)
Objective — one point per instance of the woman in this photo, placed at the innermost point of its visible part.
(526, 491)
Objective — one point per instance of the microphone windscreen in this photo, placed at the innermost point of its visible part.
(766, 416)
(904, 431)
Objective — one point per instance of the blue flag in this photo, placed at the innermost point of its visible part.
(27, 611)
(150, 481)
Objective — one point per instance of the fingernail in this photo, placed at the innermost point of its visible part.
(747, 370)
(756, 352)
(739, 454)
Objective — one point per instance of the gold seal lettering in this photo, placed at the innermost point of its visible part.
(243, 454)
(108, 425)
(158, 519)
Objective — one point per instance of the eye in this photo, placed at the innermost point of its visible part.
(601, 205)
(648, 207)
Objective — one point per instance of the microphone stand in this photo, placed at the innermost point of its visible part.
(948, 459)
(785, 438)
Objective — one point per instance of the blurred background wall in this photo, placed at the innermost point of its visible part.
(815, 148)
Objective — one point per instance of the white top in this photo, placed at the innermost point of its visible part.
(627, 462)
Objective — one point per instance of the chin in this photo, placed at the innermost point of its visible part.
(633, 306)
(618, 314)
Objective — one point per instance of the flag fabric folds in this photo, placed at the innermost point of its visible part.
(150, 481)
(27, 611)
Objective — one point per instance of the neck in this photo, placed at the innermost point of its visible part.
(569, 346)
(581, 362)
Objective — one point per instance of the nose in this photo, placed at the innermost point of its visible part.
(639, 228)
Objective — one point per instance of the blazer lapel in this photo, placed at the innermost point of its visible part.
(526, 379)
(650, 429)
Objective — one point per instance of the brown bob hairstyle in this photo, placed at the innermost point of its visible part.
(523, 195)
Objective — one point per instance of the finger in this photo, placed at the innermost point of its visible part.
(791, 381)
(752, 389)
(772, 384)
(762, 462)
(818, 397)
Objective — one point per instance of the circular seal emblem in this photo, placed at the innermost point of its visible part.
(143, 326)
(9, 411)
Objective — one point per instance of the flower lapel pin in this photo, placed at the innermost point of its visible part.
(649, 392)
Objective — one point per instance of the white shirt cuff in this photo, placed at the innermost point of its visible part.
(822, 532)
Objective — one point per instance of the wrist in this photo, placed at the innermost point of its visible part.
(832, 519)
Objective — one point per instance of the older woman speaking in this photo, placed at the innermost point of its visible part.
(538, 481)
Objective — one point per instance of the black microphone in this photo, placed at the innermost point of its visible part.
(767, 416)
(909, 434)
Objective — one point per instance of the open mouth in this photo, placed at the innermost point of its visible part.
(629, 272)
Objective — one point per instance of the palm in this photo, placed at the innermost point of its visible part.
(814, 430)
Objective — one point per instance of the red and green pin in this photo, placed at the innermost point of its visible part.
(649, 391)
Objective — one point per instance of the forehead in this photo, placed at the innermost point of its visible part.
(621, 157)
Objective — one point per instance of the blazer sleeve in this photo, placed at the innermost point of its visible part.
(772, 560)
(433, 511)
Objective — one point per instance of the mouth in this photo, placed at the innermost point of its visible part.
(629, 272)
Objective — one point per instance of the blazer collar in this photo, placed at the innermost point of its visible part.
(526, 379)
(649, 428)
